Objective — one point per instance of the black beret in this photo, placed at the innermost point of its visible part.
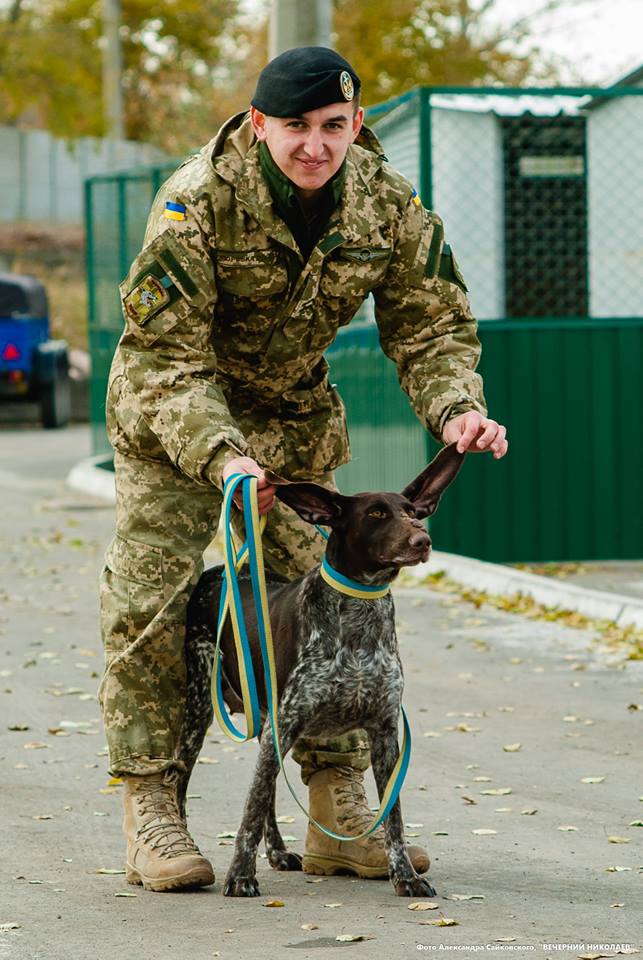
(304, 79)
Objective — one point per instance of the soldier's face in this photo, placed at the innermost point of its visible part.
(311, 148)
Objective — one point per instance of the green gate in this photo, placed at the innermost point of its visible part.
(541, 194)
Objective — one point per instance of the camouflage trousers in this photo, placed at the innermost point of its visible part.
(164, 523)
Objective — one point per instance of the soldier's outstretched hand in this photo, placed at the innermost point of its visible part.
(265, 490)
(476, 434)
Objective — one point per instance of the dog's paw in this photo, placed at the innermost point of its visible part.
(413, 887)
(284, 860)
(241, 887)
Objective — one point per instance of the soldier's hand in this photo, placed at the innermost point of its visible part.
(265, 490)
(476, 434)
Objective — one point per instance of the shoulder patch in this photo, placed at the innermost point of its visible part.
(415, 197)
(174, 211)
(147, 298)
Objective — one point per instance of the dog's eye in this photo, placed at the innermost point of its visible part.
(377, 514)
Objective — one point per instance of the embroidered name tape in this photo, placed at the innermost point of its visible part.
(174, 211)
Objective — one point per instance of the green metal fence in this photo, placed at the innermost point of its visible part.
(541, 192)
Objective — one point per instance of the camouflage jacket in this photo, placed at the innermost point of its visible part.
(225, 322)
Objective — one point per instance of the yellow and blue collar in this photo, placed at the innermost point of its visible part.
(351, 588)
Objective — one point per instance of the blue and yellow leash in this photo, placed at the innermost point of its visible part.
(230, 602)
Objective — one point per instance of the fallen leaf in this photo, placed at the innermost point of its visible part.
(529, 811)
(285, 819)
(275, 903)
(226, 835)
(567, 827)
(497, 792)
(207, 760)
(432, 733)
(18, 726)
(353, 937)
(502, 809)
(483, 832)
(512, 747)
(592, 779)
(108, 871)
(570, 719)
(5, 927)
(422, 905)
(412, 833)
(441, 922)
(414, 826)
(482, 780)
(469, 800)
(618, 839)
(465, 896)
(43, 816)
(309, 926)
(617, 869)
(635, 706)
(123, 893)
(505, 940)
(636, 823)
(617, 904)
(57, 732)
(35, 745)
(331, 905)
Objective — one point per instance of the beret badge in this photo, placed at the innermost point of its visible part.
(346, 85)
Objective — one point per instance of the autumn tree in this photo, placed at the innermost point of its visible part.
(180, 66)
(397, 45)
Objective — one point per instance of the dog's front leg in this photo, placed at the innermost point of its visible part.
(241, 879)
(384, 753)
(279, 857)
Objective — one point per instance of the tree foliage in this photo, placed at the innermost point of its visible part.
(188, 64)
(395, 46)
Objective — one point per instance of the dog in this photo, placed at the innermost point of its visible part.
(337, 660)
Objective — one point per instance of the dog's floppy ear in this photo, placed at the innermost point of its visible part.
(313, 503)
(425, 491)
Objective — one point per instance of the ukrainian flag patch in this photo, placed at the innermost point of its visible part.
(174, 211)
(415, 198)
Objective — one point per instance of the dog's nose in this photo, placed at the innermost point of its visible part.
(420, 539)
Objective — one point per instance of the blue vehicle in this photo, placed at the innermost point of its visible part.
(32, 367)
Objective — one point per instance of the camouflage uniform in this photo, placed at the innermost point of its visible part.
(222, 356)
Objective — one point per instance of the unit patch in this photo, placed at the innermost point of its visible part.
(147, 298)
(416, 198)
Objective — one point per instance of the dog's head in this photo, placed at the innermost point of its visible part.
(374, 533)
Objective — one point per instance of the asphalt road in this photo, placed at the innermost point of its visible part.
(544, 874)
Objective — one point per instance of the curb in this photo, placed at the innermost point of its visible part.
(89, 476)
(497, 579)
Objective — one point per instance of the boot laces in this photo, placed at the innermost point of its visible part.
(164, 829)
(351, 793)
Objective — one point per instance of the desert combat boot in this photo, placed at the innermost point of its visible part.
(161, 854)
(337, 800)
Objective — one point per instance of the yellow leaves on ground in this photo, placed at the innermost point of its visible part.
(497, 792)
(512, 747)
(484, 832)
(353, 937)
(275, 903)
(592, 779)
(422, 905)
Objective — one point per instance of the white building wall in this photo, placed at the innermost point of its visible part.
(41, 177)
(468, 195)
(615, 207)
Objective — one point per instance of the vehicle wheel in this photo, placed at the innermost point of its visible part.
(55, 401)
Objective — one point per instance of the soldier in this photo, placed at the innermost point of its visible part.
(256, 250)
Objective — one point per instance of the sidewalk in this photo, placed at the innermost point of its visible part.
(524, 782)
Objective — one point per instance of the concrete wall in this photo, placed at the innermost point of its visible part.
(468, 195)
(615, 202)
(41, 177)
